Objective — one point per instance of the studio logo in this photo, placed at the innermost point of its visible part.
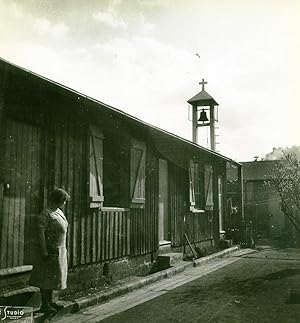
(16, 314)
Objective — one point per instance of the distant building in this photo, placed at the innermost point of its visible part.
(262, 205)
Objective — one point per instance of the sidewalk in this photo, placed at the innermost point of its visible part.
(184, 272)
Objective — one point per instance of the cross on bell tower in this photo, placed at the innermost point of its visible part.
(203, 99)
(202, 83)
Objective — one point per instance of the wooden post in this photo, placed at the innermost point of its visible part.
(3, 78)
(212, 128)
(225, 206)
(241, 191)
(3, 85)
(195, 121)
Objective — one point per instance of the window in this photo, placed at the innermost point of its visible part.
(115, 169)
(109, 170)
(137, 172)
(192, 185)
(208, 180)
(96, 167)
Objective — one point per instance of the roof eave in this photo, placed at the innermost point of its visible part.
(205, 102)
(126, 115)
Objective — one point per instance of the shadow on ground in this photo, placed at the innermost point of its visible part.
(246, 287)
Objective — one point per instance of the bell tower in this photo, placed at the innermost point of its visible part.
(200, 119)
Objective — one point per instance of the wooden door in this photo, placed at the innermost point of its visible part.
(163, 223)
(20, 192)
(221, 204)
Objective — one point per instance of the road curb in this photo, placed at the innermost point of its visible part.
(101, 297)
(220, 254)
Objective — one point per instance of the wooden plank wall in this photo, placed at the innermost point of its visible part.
(178, 202)
(109, 233)
(67, 168)
(52, 152)
(93, 235)
(200, 226)
(144, 221)
(197, 226)
(59, 153)
(3, 84)
(21, 201)
(99, 235)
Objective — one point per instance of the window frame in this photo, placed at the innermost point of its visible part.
(95, 200)
(137, 174)
(196, 180)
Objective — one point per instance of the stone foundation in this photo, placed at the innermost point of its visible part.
(202, 248)
(15, 289)
(97, 275)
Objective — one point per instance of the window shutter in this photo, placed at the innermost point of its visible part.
(192, 183)
(96, 167)
(208, 176)
(137, 172)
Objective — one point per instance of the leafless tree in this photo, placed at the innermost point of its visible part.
(285, 181)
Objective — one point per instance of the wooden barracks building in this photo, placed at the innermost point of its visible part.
(135, 189)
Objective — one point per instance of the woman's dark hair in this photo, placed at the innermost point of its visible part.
(58, 196)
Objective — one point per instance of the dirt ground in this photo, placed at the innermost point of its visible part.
(260, 287)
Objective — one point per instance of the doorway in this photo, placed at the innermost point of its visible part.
(163, 223)
(20, 192)
(221, 204)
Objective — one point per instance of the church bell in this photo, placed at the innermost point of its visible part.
(203, 116)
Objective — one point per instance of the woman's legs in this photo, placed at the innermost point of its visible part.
(46, 295)
(54, 304)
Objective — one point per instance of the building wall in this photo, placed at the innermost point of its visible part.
(198, 226)
(262, 207)
(178, 203)
(46, 144)
(20, 198)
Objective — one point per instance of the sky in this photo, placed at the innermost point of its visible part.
(147, 57)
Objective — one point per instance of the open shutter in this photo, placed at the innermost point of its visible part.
(208, 177)
(96, 167)
(137, 172)
(192, 184)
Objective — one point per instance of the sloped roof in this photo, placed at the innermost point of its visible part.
(122, 113)
(202, 99)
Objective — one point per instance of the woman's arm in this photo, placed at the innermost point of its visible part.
(42, 223)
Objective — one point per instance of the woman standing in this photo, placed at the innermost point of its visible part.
(51, 268)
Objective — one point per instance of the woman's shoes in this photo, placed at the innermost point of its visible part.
(57, 307)
(47, 309)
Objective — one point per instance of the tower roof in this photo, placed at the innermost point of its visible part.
(202, 98)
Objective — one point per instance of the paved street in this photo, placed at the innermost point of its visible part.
(256, 287)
